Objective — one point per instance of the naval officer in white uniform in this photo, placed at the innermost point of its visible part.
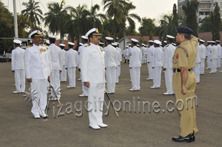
(63, 74)
(111, 57)
(80, 53)
(213, 57)
(135, 64)
(157, 64)
(93, 76)
(150, 59)
(71, 64)
(196, 69)
(168, 64)
(18, 66)
(55, 54)
(37, 73)
(203, 56)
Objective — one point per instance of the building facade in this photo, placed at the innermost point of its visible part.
(205, 7)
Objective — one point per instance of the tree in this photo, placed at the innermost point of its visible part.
(78, 22)
(215, 22)
(168, 26)
(175, 17)
(23, 24)
(94, 18)
(56, 18)
(147, 27)
(206, 25)
(33, 12)
(116, 10)
(190, 13)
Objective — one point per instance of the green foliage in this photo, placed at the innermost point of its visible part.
(190, 13)
(33, 12)
(215, 22)
(206, 25)
(147, 27)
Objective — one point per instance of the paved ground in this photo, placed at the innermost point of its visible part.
(18, 128)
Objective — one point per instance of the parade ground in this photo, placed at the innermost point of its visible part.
(132, 129)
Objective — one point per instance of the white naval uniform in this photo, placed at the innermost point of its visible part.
(80, 54)
(71, 64)
(219, 55)
(157, 64)
(55, 54)
(213, 58)
(126, 54)
(135, 64)
(37, 68)
(93, 71)
(168, 64)
(196, 69)
(149, 61)
(118, 71)
(208, 56)
(203, 57)
(63, 74)
(18, 66)
(111, 57)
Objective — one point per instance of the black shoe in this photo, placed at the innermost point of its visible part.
(189, 138)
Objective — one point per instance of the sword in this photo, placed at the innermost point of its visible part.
(111, 103)
(54, 91)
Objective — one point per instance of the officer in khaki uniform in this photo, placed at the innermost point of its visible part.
(183, 61)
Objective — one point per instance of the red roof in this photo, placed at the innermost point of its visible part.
(207, 36)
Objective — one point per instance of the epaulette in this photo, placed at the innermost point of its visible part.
(101, 48)
(29, 46)
(87, 45)
(43, 45)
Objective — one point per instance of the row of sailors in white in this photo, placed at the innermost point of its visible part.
(214, 55)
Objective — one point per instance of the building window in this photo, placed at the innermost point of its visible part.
(207, 13)
(201, 13)
(204, 5)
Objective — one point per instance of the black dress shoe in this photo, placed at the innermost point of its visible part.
(189, 138)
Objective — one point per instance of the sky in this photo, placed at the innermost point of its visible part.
(144, 8)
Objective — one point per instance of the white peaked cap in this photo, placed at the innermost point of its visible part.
(169, 36)
(84, 37)
(109, 38)
(16, 41)
(71, 43)
(62, 44)
(51, 36)
(134, 40)
(157, 42)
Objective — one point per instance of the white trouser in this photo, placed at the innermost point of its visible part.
(54, 79)
(39, 96)
(202, 66)
(84, 89)
(169, 79)
(72, 76)
(63, 74)
(214, 65)
(110, 79)
(208, 62)
(130, 74)
(135, 78)
(95, 103)
(80, 77)
(150, 69)
(196, 71)
(157, 76)
(117, 73)
(20, 79)
(218, 62)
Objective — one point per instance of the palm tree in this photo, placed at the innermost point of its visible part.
(129, 18)
(168, 26)
(56, 18)
(78, 22)
(33, 12)
(94, 18)
(115, 9)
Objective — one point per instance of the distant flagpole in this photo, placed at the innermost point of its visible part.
(15, 20)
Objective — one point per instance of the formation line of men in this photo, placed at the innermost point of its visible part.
(181, 64)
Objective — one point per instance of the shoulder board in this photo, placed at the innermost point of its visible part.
(101, 48)
(43, 45)
(87, 45)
